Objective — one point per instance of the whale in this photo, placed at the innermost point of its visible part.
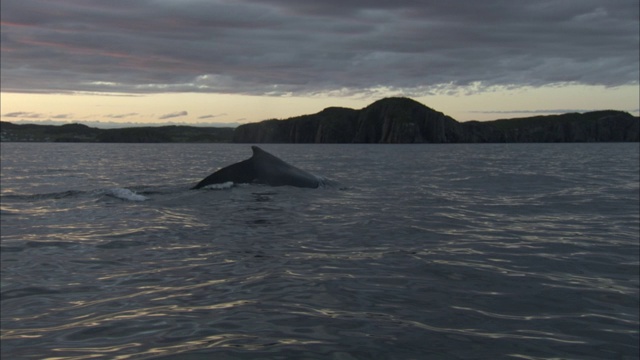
(262, 168)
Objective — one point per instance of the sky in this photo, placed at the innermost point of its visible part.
(227, 62)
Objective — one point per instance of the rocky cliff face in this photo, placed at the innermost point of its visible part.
(393, 120)
(331, 125)
(588, 127)
(402, 120)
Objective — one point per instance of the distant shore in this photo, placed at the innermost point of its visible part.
(390, 120)
(10, 132)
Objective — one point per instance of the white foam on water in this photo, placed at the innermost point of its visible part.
(125, 194)
(223, 186)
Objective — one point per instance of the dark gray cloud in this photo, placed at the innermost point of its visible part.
(23, 114)
(308, 47)
(34, 115)
(533, 112)
(119, 124)
(121, 116)
(211, 116)
(173, 115)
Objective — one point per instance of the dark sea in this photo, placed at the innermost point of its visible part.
(465, 251)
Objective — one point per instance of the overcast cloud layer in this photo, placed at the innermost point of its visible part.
(305, 47)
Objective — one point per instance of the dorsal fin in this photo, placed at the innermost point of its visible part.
(261, 154)
(264, 168)
(256, 150)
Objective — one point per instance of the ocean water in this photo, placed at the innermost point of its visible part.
(523, 251)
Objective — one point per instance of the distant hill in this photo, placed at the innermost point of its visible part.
(390, 120)
(83, 133)
(403, 120)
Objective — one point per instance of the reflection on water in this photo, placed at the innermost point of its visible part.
(456, 251)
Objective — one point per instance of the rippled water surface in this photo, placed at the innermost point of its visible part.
(417, 252)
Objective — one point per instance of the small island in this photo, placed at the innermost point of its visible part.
(395, 120)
